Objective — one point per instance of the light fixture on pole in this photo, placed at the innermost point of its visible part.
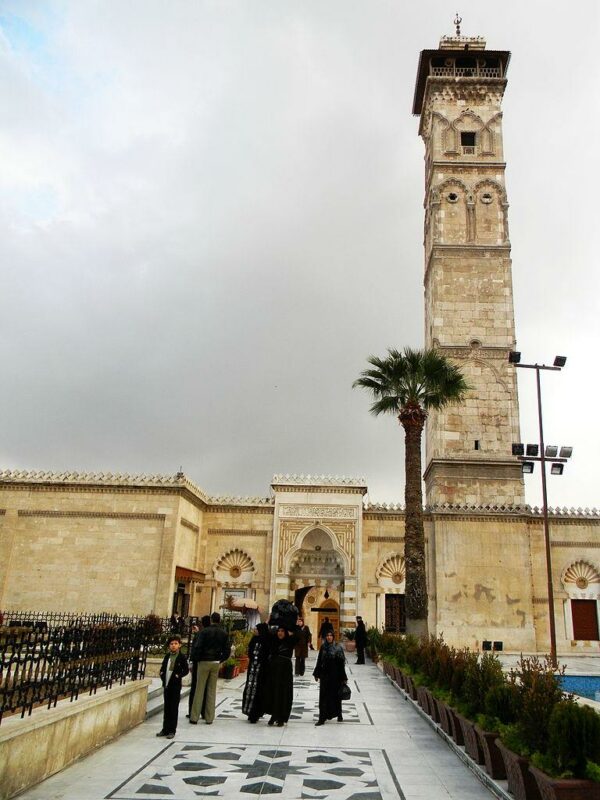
(528, 456)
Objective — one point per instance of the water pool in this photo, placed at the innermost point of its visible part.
(583, 685)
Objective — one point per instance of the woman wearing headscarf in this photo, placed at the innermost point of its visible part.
(281, 680)
(330, 671)
(259, 649)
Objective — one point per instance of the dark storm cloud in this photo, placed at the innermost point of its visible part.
(211, 213)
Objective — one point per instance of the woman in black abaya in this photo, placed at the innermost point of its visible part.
(259, 649)
(330, 671)
(281, 680)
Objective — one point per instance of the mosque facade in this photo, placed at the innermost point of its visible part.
(141, 544)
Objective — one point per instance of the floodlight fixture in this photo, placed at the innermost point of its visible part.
(566, 452)
(560, 361)
(514, 357)
(557, 469)
(532, 450)
(527, 467)
(551, 451)
(518, 449)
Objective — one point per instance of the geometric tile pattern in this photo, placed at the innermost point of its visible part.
(303, 710)
(188, 771)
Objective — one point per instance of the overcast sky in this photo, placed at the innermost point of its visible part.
(211, 214)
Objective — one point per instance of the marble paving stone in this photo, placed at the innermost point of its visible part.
(405, 758)
(303, 710)
(195, 770)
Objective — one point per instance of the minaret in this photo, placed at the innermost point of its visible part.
(468, 285)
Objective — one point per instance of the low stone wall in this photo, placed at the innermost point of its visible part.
(33, 748)
(153, 667)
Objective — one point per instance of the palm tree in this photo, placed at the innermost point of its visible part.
(408, 385)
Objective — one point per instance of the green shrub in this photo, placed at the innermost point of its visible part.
(573, 737)
(374, 637)
(592, 771)
(501, 702)
(539, 690)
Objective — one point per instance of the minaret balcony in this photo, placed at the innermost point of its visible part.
(465, 72)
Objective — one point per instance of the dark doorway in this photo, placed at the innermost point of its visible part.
(299, 596)
(181, 601)
(395, 614)
(585, 620)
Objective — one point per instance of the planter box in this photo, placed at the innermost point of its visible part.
(565, 788)
(444, 716)
(423, 699)
(432, 709)
(521, 782)
(410, 687)
(472, 745)
(387, 668)
(349, 647)
(455, 728)
(399, 677)
(494, 763)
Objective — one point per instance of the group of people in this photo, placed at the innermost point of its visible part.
(210, 646)
(270, 679)
(270, 682)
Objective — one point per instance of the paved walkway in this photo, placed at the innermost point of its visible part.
(382, 750)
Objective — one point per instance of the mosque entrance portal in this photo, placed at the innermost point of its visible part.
(317, 578)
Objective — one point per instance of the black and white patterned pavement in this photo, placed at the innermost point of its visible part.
(382, 751)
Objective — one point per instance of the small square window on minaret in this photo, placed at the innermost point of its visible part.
(467, 142)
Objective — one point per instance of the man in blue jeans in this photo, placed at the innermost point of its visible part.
(211, 647)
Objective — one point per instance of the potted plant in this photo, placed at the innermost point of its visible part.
(241, 640)
(538, 690)
(349, 635)
(570, 768)
(374, 643)
(229, 668)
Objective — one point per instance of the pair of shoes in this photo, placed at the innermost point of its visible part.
(320, 722)
(170, 735)
(271, 721)
(208, 723)
(252, 721)
(161, 733)
(279, 724)
(193, 722)
(340, 718)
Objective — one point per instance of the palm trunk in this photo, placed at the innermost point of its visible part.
(412, 419)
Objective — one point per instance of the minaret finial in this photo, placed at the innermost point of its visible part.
(457, 21)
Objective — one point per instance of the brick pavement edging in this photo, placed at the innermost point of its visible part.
(494, 787)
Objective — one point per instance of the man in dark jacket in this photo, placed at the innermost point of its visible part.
(326, 627)
(302, 644)
(361, 640)
(173, 668)
(211, 647)
(205, 622)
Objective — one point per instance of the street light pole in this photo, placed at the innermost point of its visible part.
(546, 526)
(559, 362)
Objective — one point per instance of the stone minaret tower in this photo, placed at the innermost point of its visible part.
(468, 284)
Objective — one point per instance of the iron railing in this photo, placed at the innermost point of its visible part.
(50, 656)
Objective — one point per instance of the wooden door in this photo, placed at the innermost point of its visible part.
(329, 608)
(585, 620)
(395, 614)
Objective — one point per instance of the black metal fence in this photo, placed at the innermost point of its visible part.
(46, 656)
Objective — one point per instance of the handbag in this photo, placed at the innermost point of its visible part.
(344, 692)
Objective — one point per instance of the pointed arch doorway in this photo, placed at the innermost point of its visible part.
(316, 571)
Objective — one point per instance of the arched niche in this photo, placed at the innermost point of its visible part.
(234, 568)
(581, 582)
(317, 553)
